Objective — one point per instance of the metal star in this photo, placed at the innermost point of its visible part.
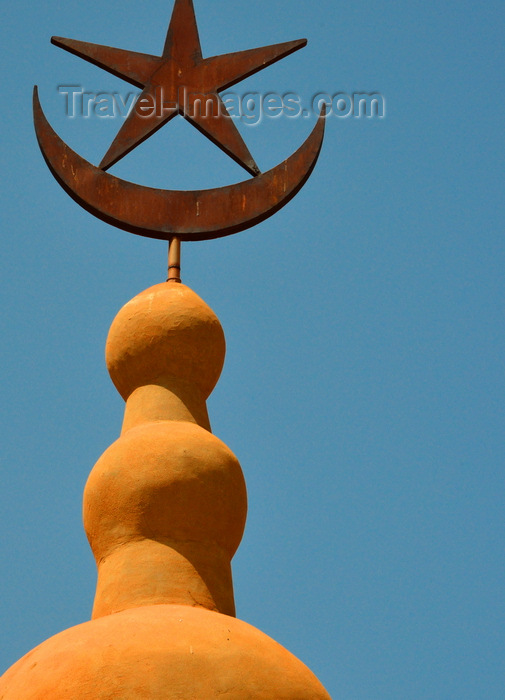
(180, 72)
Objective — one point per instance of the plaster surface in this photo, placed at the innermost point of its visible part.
(165, 651)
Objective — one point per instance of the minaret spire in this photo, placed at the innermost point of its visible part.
(164, 511)
(165, 505)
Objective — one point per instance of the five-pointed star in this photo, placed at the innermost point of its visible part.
(180, 81)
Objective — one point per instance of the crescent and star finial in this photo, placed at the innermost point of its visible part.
(180, 81)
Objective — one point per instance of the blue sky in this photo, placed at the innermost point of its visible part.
(363, 386)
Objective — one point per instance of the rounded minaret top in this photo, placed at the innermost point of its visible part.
(165, 334)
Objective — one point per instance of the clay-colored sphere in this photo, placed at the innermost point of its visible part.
(165, 332)
(171, 479)
(161, 652)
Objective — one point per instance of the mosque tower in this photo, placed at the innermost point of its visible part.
(165, 506)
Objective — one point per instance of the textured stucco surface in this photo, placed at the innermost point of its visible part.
(166, 651)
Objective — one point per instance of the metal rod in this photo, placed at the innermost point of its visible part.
(174, 260)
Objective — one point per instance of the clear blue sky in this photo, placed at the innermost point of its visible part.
(363, 388)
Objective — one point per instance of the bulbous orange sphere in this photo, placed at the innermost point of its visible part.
(170, 479)
(165, 332)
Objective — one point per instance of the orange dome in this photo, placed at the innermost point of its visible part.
(170, 652)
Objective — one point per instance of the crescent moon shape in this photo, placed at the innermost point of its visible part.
(190, 215)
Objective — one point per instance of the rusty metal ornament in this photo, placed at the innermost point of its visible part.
(165, 214)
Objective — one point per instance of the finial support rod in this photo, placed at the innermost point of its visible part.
(174, 260)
